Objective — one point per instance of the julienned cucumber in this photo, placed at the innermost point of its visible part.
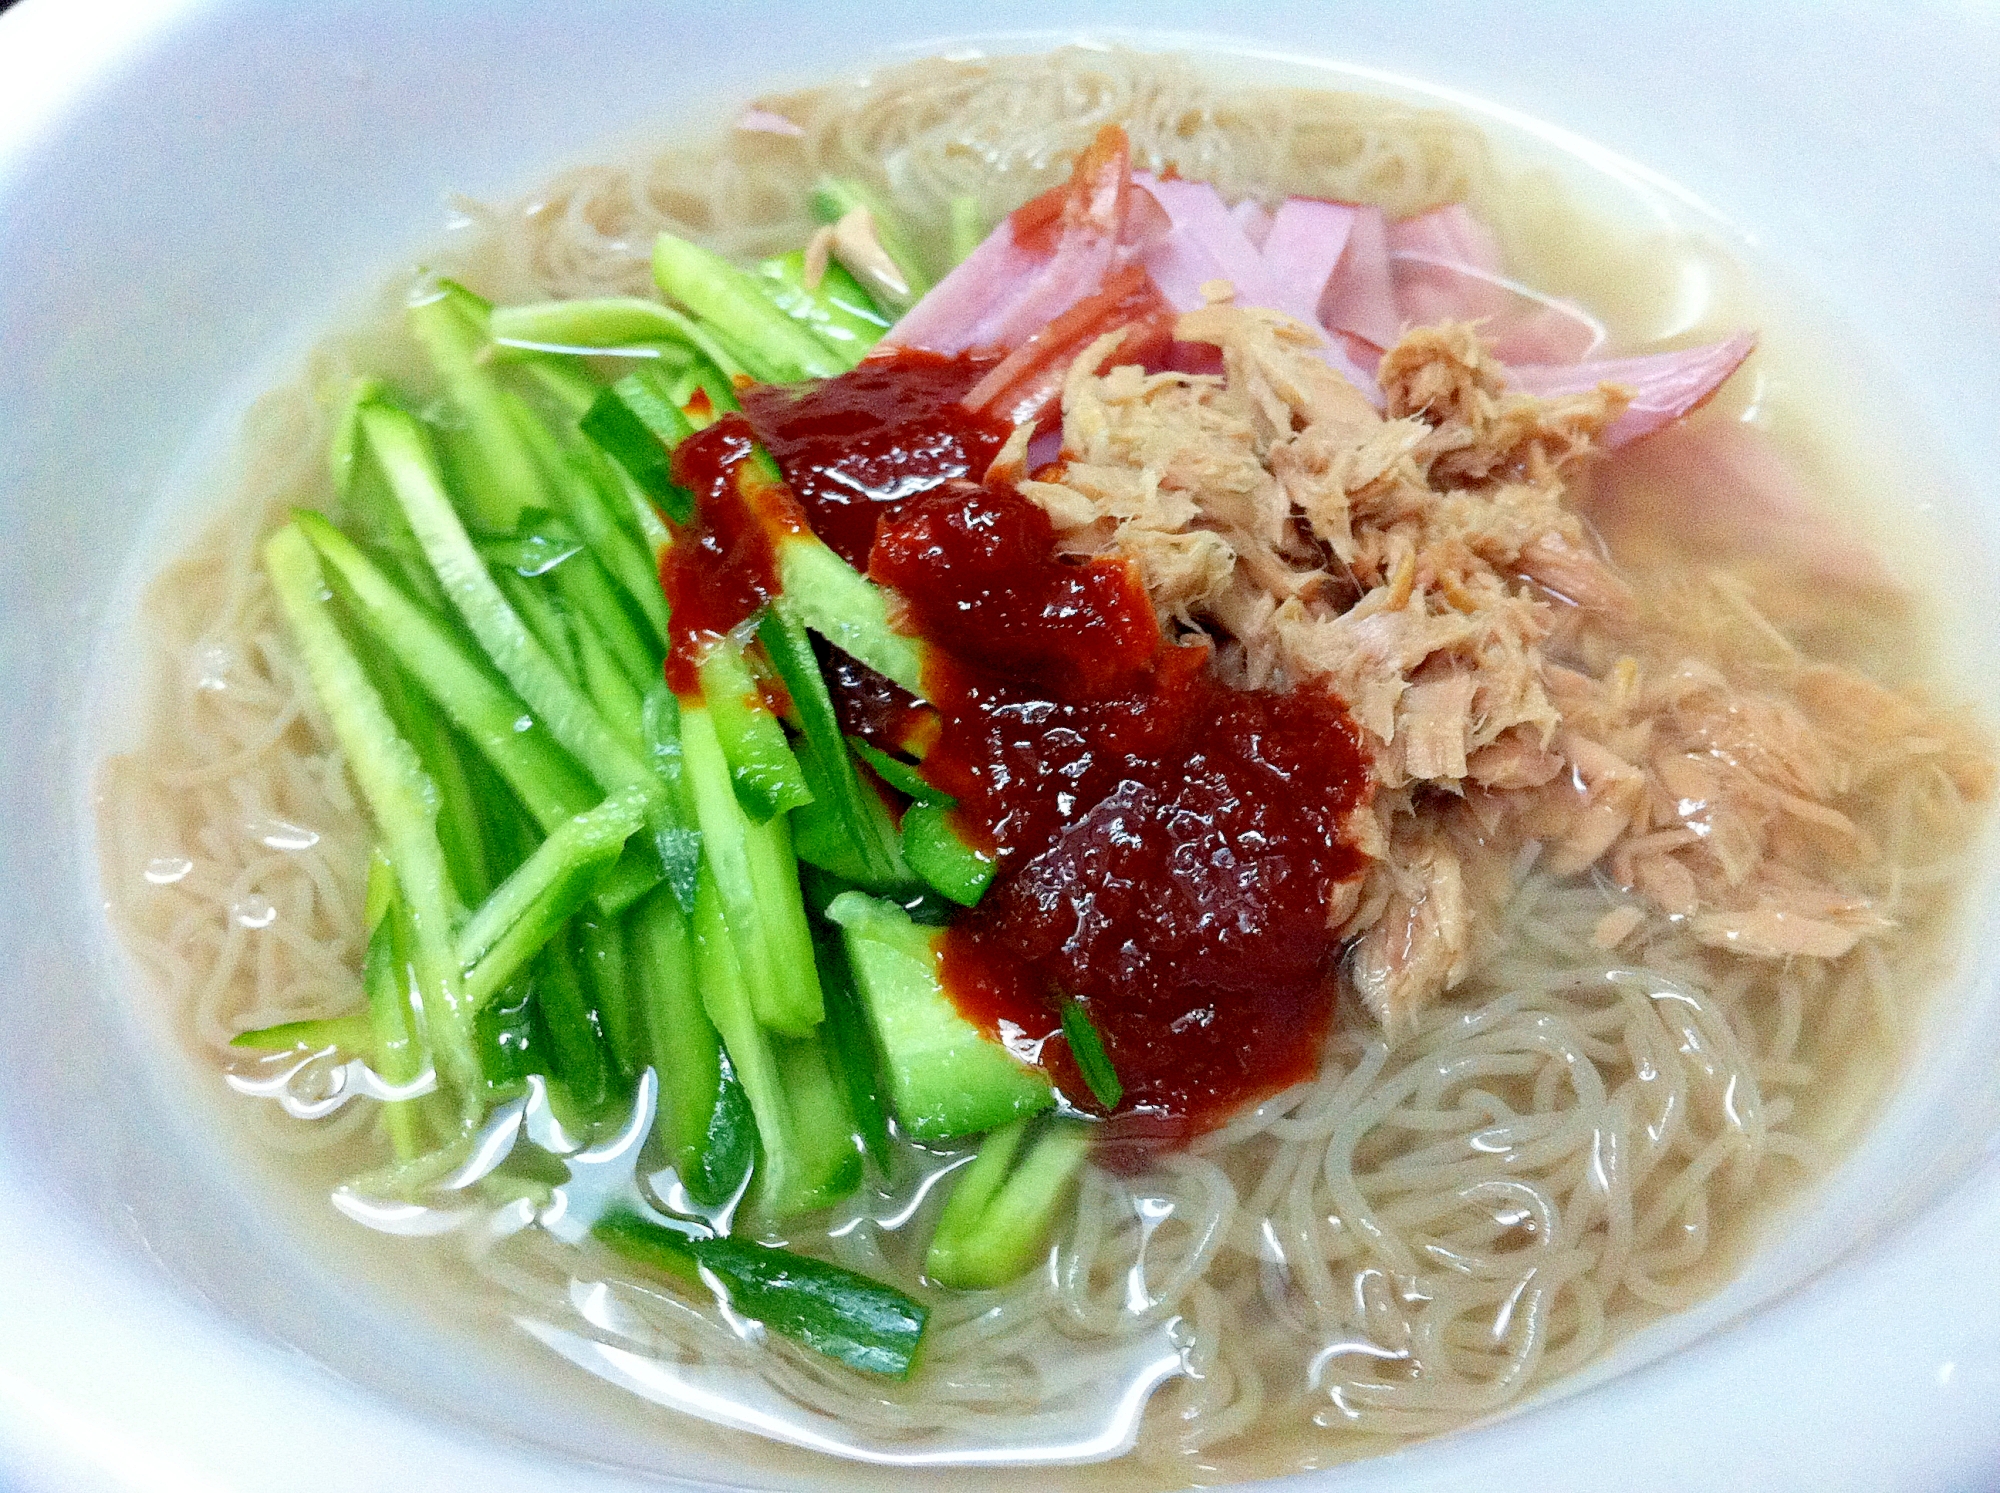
(1003, 1207)
(946, 1077)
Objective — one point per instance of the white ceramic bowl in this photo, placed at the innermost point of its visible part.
(190, 191)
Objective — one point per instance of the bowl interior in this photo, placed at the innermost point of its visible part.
(206, 187)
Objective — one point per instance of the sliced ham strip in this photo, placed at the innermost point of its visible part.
(1303, 249)
(1664, 386)
(1206, 244)
(1735, 498)
(1045, 258)
(1446, 266)
(1075, 271)
(1519, 324)
(992, 277)
(1451, 234)
(1029, 380)
(1360, 299)
(756, 121)
(1253, 218)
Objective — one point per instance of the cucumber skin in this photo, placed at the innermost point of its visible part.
(946, 1077)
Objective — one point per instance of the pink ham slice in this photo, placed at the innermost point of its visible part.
(1006, 290)
(989, 280)
(1445, 266)
(1302, 250)
(1253, 218)
(756, 121)
(1333, 263)
(1206, 244)
(1360, 300)
(1664, 386)
(1448, 233)
(1725, 491)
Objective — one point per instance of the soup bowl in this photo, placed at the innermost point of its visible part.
(191, 193)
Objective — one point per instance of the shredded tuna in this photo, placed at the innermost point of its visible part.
(1425, 562)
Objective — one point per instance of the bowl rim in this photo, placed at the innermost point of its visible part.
(1915, 1295)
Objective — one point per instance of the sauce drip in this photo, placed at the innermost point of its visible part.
(855, 447)
(720, 568)
(1168, 847)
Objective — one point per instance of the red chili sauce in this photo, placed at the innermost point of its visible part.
(1167, 846)
(854, 448)
(720, 567)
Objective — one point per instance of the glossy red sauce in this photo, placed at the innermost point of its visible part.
(855, 447)
(1168, 847)
(721, 567)
(874, 707)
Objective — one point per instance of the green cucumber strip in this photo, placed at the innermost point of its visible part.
(903, 776)
(762, 768)
(1087, 1047)
(636, 423)
(547, 623)
(968, 228)
(585, 325)
(367, 507)
(857, 810)
(525, 911)
(827, 594)
(774, 873)
(823, 835)
(349, 1033)
(756, 880)
(679, 845)
(509, 1046)
(837, 311)
(522, 660)
(609, 322)
(531, 554)
(603, 963)
(493, 718)
(346, 453)
(827, 1149)
(459, 819)
(399, 794)
(396, 1049)
(636, 872)
(936, 852)
(835, 197)
(730, 1153)
(562, 382)
(506, 1034)
(855, 1058)
(946, 1077)
(1002, 1208)
(773, 348)
(799, 1171)
(580, 1068)
(596, 604)
(646, 518)
(608, 682)
(840, 604)
(703, 1121)
(571, 479)
(834, 1311)
(704, 396)
(499, 471)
